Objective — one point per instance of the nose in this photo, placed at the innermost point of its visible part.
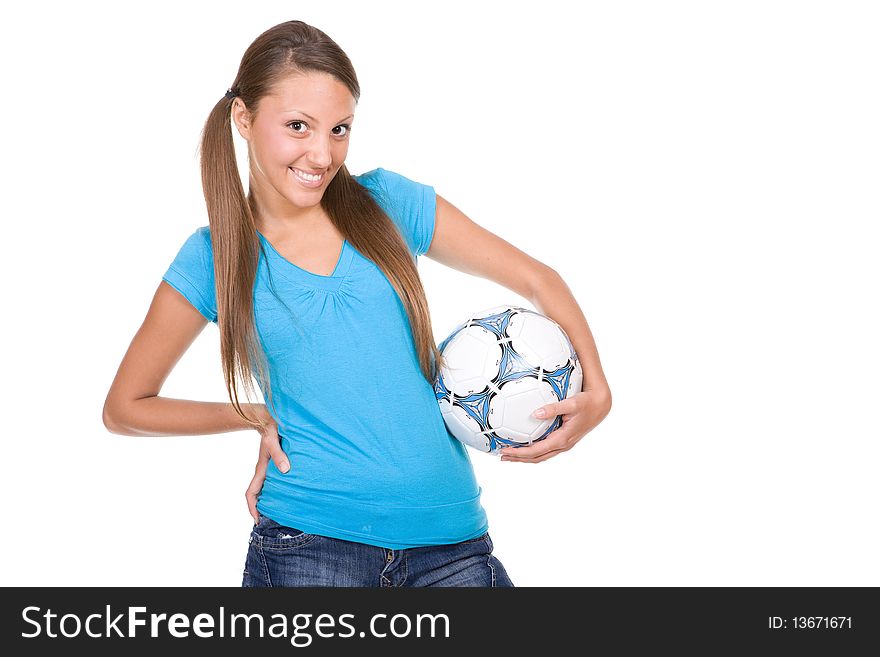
(319, 154)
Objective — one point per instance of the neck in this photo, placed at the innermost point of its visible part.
(283, 224)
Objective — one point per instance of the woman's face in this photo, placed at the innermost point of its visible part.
(301, 128)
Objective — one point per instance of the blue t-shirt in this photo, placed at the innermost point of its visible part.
(371, 458)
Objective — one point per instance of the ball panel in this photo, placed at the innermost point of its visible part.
(542, 336)
(472, 359)
(464, 427)
(510, 413)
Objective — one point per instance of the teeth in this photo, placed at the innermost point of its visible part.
(307, 176)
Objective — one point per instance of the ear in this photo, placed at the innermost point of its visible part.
(241, 118)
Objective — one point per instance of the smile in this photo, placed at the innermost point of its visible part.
(308, 179)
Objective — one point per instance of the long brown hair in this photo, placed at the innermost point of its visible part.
(288, 48)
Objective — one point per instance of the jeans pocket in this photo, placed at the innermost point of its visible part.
(272, 535)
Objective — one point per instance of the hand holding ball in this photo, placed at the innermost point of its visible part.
(501, 364)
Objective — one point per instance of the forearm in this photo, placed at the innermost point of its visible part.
(553, 298)
(163, 416)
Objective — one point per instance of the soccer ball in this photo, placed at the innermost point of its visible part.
(501, 364)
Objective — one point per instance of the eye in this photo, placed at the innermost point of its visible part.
(347, 129)
(295, 125)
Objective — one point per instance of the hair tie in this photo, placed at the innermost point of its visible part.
(230, 93)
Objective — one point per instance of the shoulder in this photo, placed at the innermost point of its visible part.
(395, 192)
(200, 240)
(375, 182)
(390, 182)
(409, 203)
(203, 233)
(196, 251)
(192, 272)
(372, 179)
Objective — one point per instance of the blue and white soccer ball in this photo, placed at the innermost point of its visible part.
(501, 364)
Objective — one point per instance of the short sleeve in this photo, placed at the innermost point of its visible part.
(192, 273)
(412, 205)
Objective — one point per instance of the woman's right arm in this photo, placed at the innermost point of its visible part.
(133, 406)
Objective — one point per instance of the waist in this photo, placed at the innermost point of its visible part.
(385, 523)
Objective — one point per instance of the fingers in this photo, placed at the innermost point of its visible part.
(252, 492)
(270, 448)
(537, 459)
(279, 457)
(555, 443)
(256, 485)
(562, 407)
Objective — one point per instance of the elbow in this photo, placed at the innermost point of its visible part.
(111, 421)
(604, 402)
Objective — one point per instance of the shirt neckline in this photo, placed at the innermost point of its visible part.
(332, 281)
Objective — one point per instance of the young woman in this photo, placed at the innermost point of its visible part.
(311, 279)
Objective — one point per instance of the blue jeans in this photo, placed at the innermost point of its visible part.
(285, 556)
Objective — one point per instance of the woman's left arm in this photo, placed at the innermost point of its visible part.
(462, 244)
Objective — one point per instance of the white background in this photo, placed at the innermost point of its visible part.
(703, 175)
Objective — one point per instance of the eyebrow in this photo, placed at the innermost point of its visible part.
(350, 116)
